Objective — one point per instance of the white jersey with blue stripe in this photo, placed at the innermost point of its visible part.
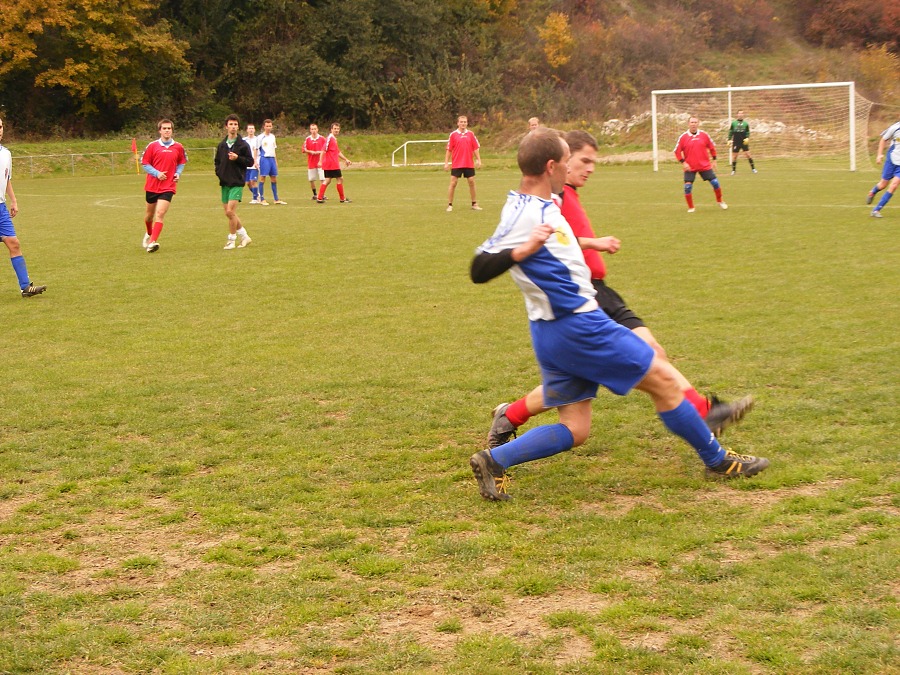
(892, 134)
(555, 281)
(5, 171)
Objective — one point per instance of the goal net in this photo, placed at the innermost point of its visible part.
(420, 153)
(827, 122)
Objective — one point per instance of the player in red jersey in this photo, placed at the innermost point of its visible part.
(462, 158)
(313, 147)
(163, 161)
(330, 163)
(697, 154)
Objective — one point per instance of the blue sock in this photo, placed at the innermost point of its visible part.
(875, 190)
(262, 189)
(885, 198)
(550, 439)
(255, 192)
(686, 422)
(275, 190)
(18, 264)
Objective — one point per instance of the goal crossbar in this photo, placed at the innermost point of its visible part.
(405, 156)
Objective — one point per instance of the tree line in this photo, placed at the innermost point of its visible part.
(96, 66)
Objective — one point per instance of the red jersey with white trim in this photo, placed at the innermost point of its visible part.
(331, 160)
(575, 215)
(311, 145)
(696, 149)
(163, 158)
(462, 146)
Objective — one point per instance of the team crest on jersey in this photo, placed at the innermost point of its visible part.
(562, 237)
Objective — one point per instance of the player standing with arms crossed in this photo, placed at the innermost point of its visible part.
(696, 152)
(163, 161)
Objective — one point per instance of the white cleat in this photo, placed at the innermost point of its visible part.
(877, 214)
(691, 210)
(254, 201)
(723, 205)
(245, 241)
(279, 201)
(263, 202)
(145, 241)
(475, 207)
(153, 247)
(229, 246)
(755, 171)
(449, 208)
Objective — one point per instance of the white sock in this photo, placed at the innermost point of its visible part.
(232, 237)
(242, 232)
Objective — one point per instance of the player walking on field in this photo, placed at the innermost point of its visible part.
(233, 158)
(313, 147)
(696, 152)
(578, 347)
(890, 174)
(9, 207)
(462, 158)
(330, 162)
(739, 135)
(163, 161)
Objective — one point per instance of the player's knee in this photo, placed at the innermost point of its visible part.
(12, 243)
(580, 433)
(688, 188)
(715, 183)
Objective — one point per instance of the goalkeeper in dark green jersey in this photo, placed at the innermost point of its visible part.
(739, 135)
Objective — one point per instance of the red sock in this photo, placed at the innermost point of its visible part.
(322, 189)
(149, 228)
(690, 200)
(701, 403)
(718, 194)
(340, 187)
(157, 228)
(517, 413)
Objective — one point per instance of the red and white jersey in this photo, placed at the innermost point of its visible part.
(574, 213)
(312, 147)
(331, 160)
(696, 150)
(5, 171)
(462, 146)
(164, 158)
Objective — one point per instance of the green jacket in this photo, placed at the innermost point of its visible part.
(741, 127)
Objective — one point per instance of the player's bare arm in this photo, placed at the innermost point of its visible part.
(602, 244)
(11, 204)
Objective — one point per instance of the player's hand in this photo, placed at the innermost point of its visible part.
(161, 175)
(608, 244)
(176, 177)
(685, 166)
(539, 236)
(746, 143)
(477, 163)
(232, 156)
(878, 159)
(13, 209)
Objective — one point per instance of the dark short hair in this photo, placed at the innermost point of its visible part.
(234, 117)
(577, 139)
(267, 120)
(164, 120)
(538, 148)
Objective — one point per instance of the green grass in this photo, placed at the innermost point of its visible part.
(256, 460)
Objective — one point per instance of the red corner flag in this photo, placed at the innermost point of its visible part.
(134, 152)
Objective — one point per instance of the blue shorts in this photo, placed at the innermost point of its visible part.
(890, 169)
(251, 175)
(579, 352)
(268, 166)
(6, 225)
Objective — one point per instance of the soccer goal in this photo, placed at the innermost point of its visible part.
(824, 122)
(420, 153)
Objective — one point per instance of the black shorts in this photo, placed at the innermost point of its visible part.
(153, 197)
(615, 307)
(462, 173)
(333, 173)
(739, 146)
(709, 174)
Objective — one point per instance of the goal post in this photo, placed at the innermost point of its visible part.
(827, 121)
(420, 153)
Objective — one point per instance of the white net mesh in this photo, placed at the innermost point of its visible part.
(803, 123)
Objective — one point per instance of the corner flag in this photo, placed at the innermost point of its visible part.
(137, 169)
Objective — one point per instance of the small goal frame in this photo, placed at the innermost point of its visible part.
(851, 108)
(405, 162)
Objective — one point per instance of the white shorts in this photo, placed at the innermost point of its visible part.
(316, 174)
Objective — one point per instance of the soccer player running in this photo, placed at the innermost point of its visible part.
(462, 158)
(508, 417)
(696, 152)
(163, 161)
(313, 146)
(268, 165)
(233, 158)
(9, 207)
(330, 163)
(578, 347)
(890, 174)
(739, 135)
(251, 176)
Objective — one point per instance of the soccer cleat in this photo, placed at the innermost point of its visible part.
(32, 290)
(877, 214)
(870, 197)
(722, 414)
(755, 171)
(346, 201)
(320, 201)
(475, 207)
(245, 241)
(449, 208)
(263, 202)
(691, 210)
(732, 173)
(279, 201)
(735, 465)
(230, 245)
(314, 198)
(491, 477)
(722, 205)
(254, 201)
(152, 247)
(501, 428)
(145, 241)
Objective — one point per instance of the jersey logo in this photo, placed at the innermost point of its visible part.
(562, 237)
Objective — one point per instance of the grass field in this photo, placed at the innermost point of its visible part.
(256, 460)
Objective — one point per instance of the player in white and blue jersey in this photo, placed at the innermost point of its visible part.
(251, 175)
(578, 347)
(890, 174)
(9, 207)
(268, 164)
